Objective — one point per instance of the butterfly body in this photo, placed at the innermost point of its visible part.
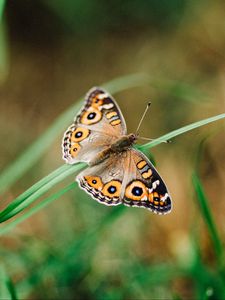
(117, 172)
(120, 145)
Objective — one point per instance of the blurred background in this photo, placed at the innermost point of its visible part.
(51, 53)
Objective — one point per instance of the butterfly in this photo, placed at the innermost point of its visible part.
(117, 173)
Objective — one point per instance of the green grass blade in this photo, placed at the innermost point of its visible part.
(207, 216)
(32, 189)
(35, 209)
(180, 131)
(36, 150)
(4, 60)
(11, 289)
(2, 6)
(7, 288)
(27, 199)
(4, 294)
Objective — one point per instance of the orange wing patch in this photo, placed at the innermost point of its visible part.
(141, 164)
(97, 101)
(147, 174)
(155, 198)
(111, 114)
(115, 122)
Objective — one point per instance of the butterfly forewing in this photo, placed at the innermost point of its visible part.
(99, 123)
(101, 108)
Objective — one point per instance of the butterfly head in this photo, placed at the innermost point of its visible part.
(132, 137)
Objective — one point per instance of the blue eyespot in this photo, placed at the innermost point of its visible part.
(137, 191)
(79, 134)
(91, 116)
(111, 189)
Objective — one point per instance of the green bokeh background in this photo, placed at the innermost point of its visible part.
(51, 53)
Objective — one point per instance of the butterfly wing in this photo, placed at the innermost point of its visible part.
(98, 124)
(104, 181)
(144, 186)
(128, 178)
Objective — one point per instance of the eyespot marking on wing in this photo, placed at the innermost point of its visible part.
(112, 189)
(91, 116)
(136, 190)
(107, 194)
(75, 149)
(80, 134)
(94, 181)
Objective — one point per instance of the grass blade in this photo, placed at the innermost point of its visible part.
(180, 131)
(2, 6)
(7, 288)
(4, 60)
(32, 190)
(207, 216)
(26, 199)
(36, 208)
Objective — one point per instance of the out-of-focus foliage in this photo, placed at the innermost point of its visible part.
(76, 248)
(3, 45)
(87, 17)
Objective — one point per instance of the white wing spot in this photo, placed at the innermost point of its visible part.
(108, 106)
(102, 96)
(164, 197)
(154, 184)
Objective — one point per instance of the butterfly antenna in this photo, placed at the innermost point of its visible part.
(142, 118)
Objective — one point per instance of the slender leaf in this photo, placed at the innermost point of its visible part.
(36, 208)
(2, 6)
(180, 131)
(206, 213)
(4, 59)
(26, 199)
(7, 289)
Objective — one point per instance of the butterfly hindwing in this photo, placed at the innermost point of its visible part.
(128, 178)
(99, 123)
(104, 181)
(144, 186)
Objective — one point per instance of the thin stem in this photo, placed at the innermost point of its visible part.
(148, 139)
